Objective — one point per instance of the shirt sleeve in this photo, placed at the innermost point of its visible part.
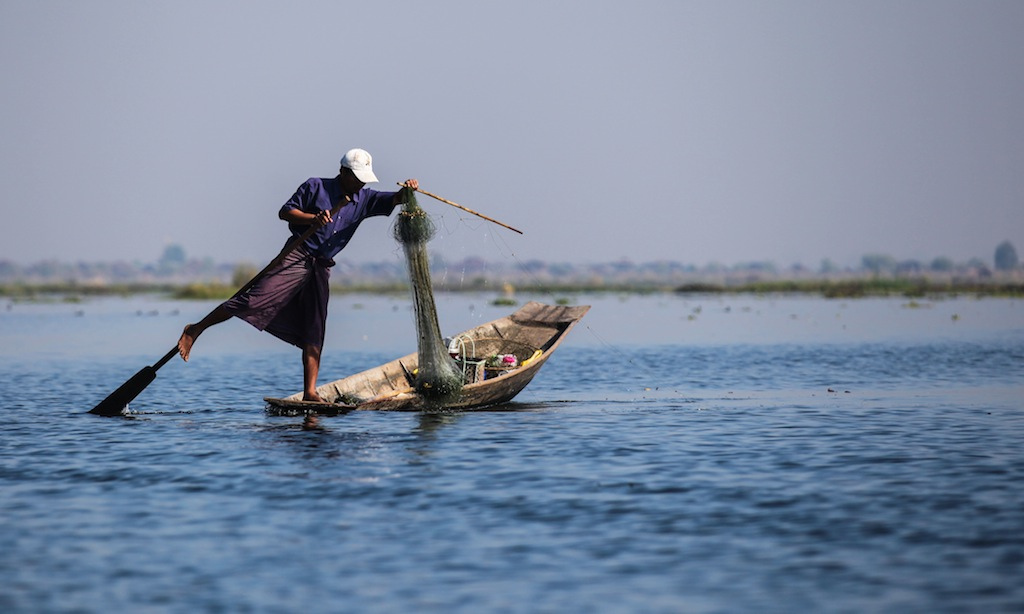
(303, 199)
(380, 203)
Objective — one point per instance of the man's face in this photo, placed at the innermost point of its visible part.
(349, 182)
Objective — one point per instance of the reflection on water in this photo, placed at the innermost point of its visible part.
(778, 455)
(431, 422)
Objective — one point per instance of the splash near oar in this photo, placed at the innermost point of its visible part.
(437, 379)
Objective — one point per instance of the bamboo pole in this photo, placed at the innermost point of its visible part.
(467, 210)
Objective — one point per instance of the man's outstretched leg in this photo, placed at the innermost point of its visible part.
(310, 370)
(192, 331)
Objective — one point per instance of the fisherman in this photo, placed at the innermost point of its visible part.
(290, 300)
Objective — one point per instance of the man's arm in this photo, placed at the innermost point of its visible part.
(301, 218)
(399, 199)
(317, 220)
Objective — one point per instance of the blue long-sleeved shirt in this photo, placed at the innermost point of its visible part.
(320, 194)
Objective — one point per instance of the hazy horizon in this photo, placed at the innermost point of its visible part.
(524, 264)
(694, 132)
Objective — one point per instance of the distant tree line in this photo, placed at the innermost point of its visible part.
(1005, 260)
(174, 268)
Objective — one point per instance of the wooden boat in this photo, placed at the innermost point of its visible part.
(531, 334)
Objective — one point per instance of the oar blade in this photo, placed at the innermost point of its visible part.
(117, 401)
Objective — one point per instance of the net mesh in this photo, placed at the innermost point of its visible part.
(437, 380)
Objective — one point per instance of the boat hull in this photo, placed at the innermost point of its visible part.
(531, 334)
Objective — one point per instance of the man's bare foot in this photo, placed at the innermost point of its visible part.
(185, 342)
(312, 398)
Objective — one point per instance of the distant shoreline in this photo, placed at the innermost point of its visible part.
(846, 288)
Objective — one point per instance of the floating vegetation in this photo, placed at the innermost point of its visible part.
(861, 288)
(208, 291)
(916, 305)
(829, 288)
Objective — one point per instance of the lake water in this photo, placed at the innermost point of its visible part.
(677, 454)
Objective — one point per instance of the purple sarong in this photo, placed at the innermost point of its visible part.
(290, 301)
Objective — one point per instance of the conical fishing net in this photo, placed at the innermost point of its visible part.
(438, 380)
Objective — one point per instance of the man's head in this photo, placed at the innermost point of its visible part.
(360, 163)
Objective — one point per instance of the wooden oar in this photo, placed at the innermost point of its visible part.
(466, 209)
(117, 401)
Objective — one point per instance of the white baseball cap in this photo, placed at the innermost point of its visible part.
(361, 163)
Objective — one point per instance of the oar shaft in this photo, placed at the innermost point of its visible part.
(466, 209)
(163, 361)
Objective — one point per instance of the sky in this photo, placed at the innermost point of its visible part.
(702, 132)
